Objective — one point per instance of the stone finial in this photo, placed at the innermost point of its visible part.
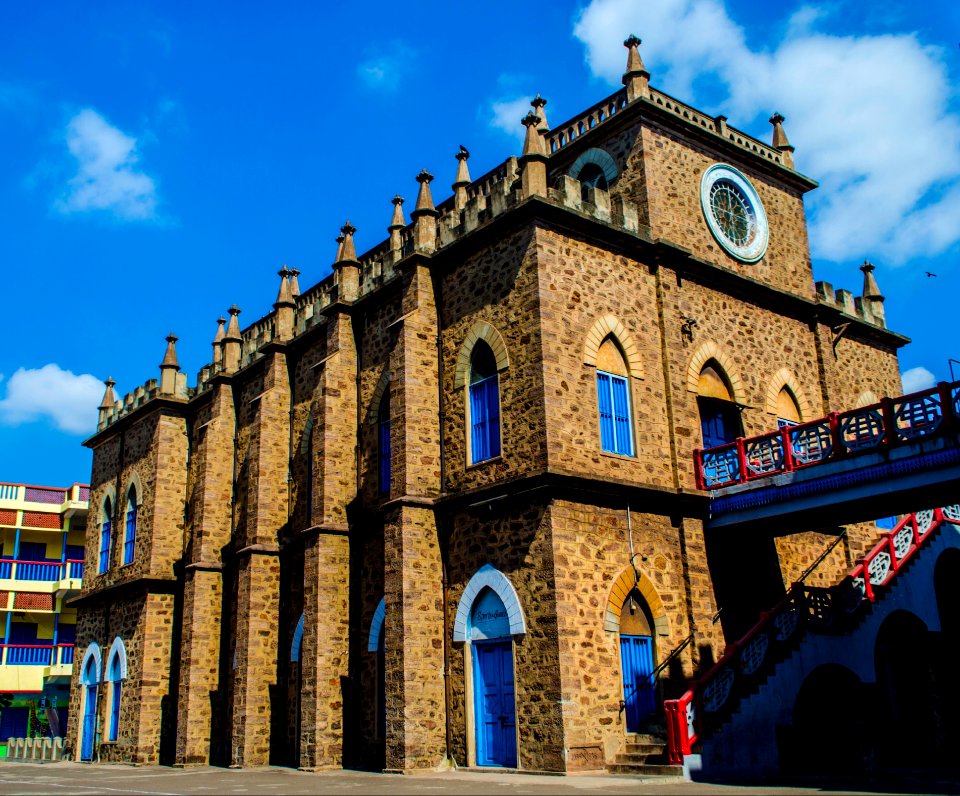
(347, 252)
(109, 399)
(463, 173)
(871, 291)
(284, 295)
(533, 161)
(294, 283)
(284, 306)
(169, 367)
(339, 239)
(217, 340)
(170, 357)
(397, 222)
(231, 341)
(780, 141)
(347, 267)
(539, 103)
(106, 405)
(424, 216)
(636, 78)
(424, 197)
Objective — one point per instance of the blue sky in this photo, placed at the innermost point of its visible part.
(163, 161)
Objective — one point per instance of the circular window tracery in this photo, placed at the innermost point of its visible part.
(734, 213)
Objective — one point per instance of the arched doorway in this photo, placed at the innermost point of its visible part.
(827, 736)
(495, 718)
(946, 576)
(377, 643)
(907, 695)
(488, 619)
(637, 661)
(90, 685)
(296, 677)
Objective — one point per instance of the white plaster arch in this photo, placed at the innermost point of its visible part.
(297, 642)
(373, 642)
(598, 157)
(610, 325)
(92, 651)
(481, 330)
(866, 398)
(489, 576)
(117, 649)
(785, 378)
(710, 350)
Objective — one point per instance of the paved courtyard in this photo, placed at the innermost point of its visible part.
(76, 778)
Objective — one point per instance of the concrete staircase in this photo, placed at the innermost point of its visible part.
(645, 756)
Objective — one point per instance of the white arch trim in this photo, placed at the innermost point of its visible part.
(297, 641)
(93, 651)
(489, 576)
(481, 330)
(599, 157)
(117, 649)
(373, 642)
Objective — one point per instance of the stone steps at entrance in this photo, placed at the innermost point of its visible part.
(644, 755)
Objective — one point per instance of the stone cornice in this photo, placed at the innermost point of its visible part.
(147, 585)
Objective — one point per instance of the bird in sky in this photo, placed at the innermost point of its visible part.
(930, 273)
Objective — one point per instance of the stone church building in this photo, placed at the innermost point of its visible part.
(441, 506)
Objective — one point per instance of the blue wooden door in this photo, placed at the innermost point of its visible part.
(636, 657)
(89, 723)
(495, 710)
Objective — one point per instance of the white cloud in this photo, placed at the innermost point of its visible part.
(917, 379)
(70, 401)
(107, 177)
(506, 115)
(386, 69)
(869, 114)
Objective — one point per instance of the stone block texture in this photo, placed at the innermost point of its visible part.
(286, 605)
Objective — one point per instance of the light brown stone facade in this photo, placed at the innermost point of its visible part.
(287, 605)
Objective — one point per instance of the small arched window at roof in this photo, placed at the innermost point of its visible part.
(105, 535)
(595, 168)
(788, 410)
(484, 404)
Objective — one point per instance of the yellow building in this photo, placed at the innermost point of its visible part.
(41, 566)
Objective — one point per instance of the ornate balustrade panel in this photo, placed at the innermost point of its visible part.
(890, 423)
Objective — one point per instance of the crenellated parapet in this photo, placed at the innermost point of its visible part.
(867, 307)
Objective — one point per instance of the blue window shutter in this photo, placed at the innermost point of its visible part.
(131, 537)
(607, 438)
(478, 419)
(621, 413)
(493, 414)
(105, 546)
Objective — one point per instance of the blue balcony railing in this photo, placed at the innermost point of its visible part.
(66, 653)
(44, 571)
(29, 654)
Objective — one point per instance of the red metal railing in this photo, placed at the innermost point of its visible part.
(706, 698)
(892, 422)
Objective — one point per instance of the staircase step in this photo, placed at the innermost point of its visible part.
(637, 737)
(645, 748)
(646, 770)
(639, 758)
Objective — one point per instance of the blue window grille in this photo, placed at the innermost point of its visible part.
(484, 405)
(130, 539)
(383, 431)
(613, 400)
(105, 546)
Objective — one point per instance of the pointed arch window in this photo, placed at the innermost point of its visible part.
(383, 444)
(788, 411)
(720, 421)
(105, 534)
(484, 404)
(613, 400)
(130, 538)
